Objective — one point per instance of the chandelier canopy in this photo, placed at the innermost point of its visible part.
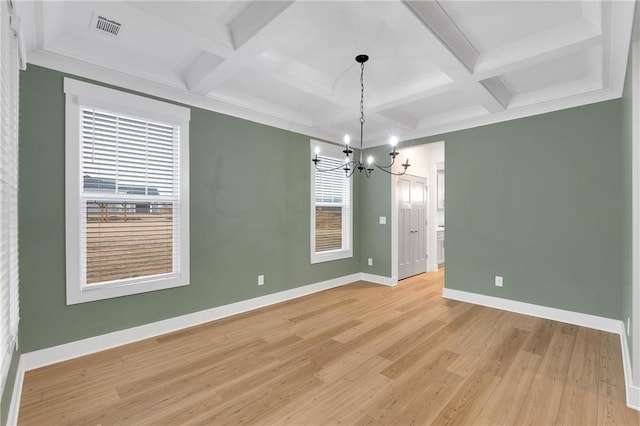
(351, 165)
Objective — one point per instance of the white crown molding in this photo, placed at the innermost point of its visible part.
(280, 119)
(577, 318)
(141, 85)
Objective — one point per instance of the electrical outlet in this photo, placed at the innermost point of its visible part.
(260, 279)
(498, 281)
(370, 261)
(383, 220)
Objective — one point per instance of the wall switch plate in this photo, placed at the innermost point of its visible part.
(260, 279)
(383, 220)
(370, 261)
(498, 281)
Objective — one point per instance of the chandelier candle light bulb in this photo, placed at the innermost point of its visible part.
(350, 166)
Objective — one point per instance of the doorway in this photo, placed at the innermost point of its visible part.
(412, 192)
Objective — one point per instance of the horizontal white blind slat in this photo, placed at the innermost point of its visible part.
(332, 204)
(9, 276)
(137, 161)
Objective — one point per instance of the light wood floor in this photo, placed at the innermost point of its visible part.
(359, 354)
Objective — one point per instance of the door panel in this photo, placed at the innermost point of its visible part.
(404, 228)
(412, 246)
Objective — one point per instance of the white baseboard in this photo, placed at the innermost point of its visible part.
(378, 279)
(40, 358)
(576, 318)
(14, 407)
(103, 342)
(55, 354)
(632, 392)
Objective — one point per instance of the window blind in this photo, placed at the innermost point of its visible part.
(332, 205)
(9, 79)
(130, 197)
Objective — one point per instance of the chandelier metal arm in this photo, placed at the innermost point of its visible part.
(390, 172)
(350, 166)
(316, 160)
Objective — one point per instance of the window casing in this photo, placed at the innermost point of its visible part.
(127, 193)
(331, 206)
(9, 94)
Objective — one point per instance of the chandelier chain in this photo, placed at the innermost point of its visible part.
(350, 166)
(362, 93)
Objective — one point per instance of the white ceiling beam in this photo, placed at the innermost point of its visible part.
(433, 16)
(452, 116)
(592, 12)
(499, 91)
(618, 19)
(302, 77)
(404, 120)
(244, 30)
(208, 34)
(413, 92)
(254, 18)
(51, 18)
(199, 69)
(557, 42)
(555, 93)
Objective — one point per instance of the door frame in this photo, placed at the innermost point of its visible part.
(431, 234)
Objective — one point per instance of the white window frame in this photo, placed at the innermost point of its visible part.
(80, 94)
(10, 64)
(333, 151)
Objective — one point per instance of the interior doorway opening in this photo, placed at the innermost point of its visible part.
(418, 223)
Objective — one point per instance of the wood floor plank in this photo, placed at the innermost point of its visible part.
(356, 354)
(543, 402)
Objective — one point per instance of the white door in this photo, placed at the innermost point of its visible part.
(412, 226)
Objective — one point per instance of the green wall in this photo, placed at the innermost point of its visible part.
(249, 212)
(375, 198)
(540, 201)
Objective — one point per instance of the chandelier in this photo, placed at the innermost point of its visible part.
(351, 165)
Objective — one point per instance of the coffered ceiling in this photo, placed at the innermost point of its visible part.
(434, 66)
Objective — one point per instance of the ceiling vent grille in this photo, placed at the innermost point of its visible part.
(105, 25)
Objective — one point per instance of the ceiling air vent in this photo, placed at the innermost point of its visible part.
(105, 25)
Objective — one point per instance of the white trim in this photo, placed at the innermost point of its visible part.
(66, 351)
(138, 84)
(333, 151)
(41, 358)
(577, 318)
(635, 209)
(123, 102)
(55, 354)
(632, 392)
(394, 228)
(77, 93)
(379, 279)
(14, 405)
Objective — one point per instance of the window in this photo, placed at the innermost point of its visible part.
(9, 79)
(127, 188)
(331, 206)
